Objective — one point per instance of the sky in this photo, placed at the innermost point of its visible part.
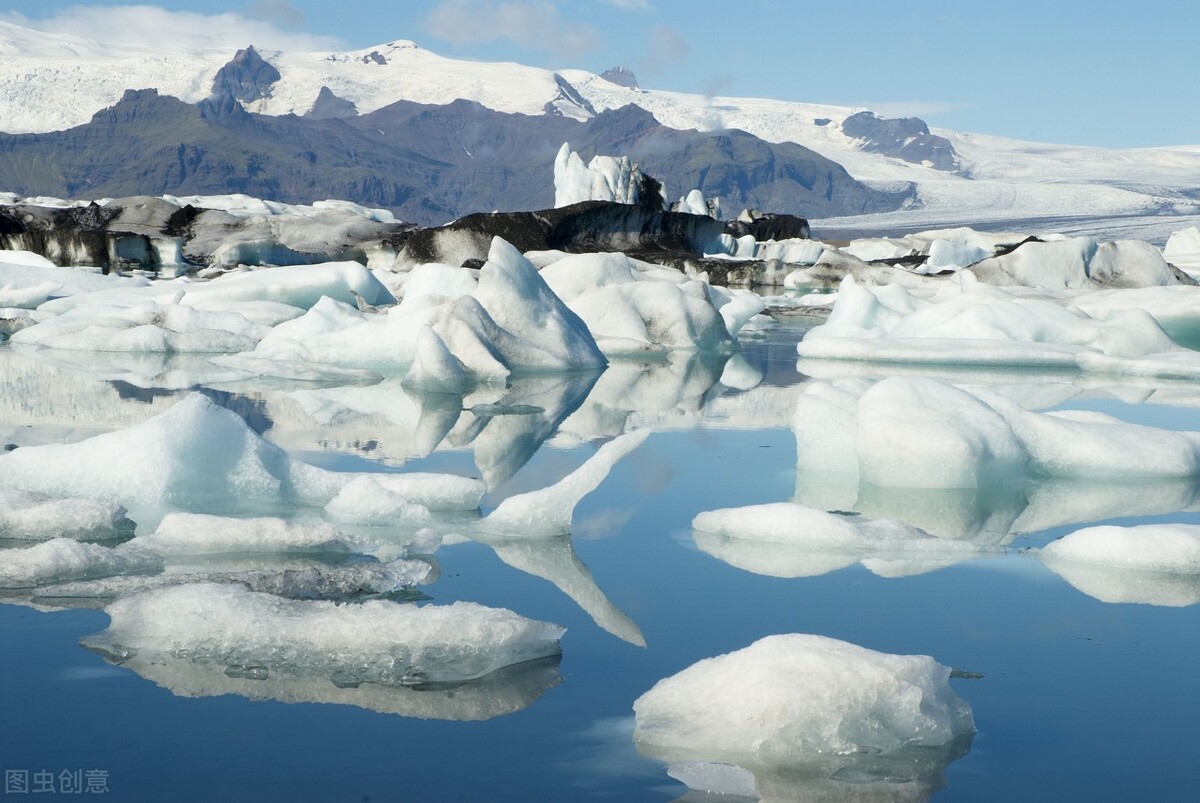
(1084, 72)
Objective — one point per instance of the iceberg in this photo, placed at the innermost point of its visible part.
(506, 322)
(377, 641)
(1155, 564)
(201, 534)
(37, 517)
(784, 539)
(924, 433)
(808, 715)
(633, 309)
(198, 457)
(63, 559)
(604, 178)
(966, 323)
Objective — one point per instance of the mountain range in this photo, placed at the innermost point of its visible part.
(434, 138)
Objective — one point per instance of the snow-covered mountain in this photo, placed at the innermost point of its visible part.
(50, 82)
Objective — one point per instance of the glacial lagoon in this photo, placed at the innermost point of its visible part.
(1079, 680)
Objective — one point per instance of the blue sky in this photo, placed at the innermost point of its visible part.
(1068, 71)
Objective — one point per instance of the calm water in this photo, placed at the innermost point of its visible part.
(1074, 698)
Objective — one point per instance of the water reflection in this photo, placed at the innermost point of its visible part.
(501, 692)
(554, 559)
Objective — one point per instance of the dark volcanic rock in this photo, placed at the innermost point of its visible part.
(621, 76)
(329, 106)
(906, 138)
(427, 164)
(768, 226)
(246, 77)
(567, 95)
(580, 228)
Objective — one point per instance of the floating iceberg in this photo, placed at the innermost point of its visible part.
(1078, 263)
(1156, 564)
(605, 178)
(1183, 249)
(37, 517)
(967, 323)
(145, 326)
(202, 458)
(508, 321)
(808, 715)
(65, 559)
(632, 308)
(785, 539)
(202, 534)
(28, 280)
(923, 433)
(377, 641)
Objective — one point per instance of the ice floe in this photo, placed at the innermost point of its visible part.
(198, 457)
(37, 517)
(63, 559)
(507, 321)
(807, 716)
(923, 433)
(377, 641)
(633, 308)
(785, 539)
(1156, 564)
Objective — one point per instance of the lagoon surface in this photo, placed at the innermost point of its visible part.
(1081, 683)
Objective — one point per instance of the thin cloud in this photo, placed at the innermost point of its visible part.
(136, 26)
(279, 12)
(534, 25)
(630, 5)
(916, 108)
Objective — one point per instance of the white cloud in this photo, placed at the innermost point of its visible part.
(630, 5)
(181, 30)
(535, 25)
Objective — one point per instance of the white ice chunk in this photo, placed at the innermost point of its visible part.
(1154, 564)
(67, 559)
(1183, 249)
(791, 540)
(808, 708)
(605, 178)
(144, 326)
(630, 310)
(374, 642)
(202, 534)
(922, 433)
(1169, 548)
(434, 369)
(37, 517)
(968, 323)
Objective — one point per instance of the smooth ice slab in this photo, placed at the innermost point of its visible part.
(784, 539)
(377, 641)
(1155, 564)
(202, 534)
